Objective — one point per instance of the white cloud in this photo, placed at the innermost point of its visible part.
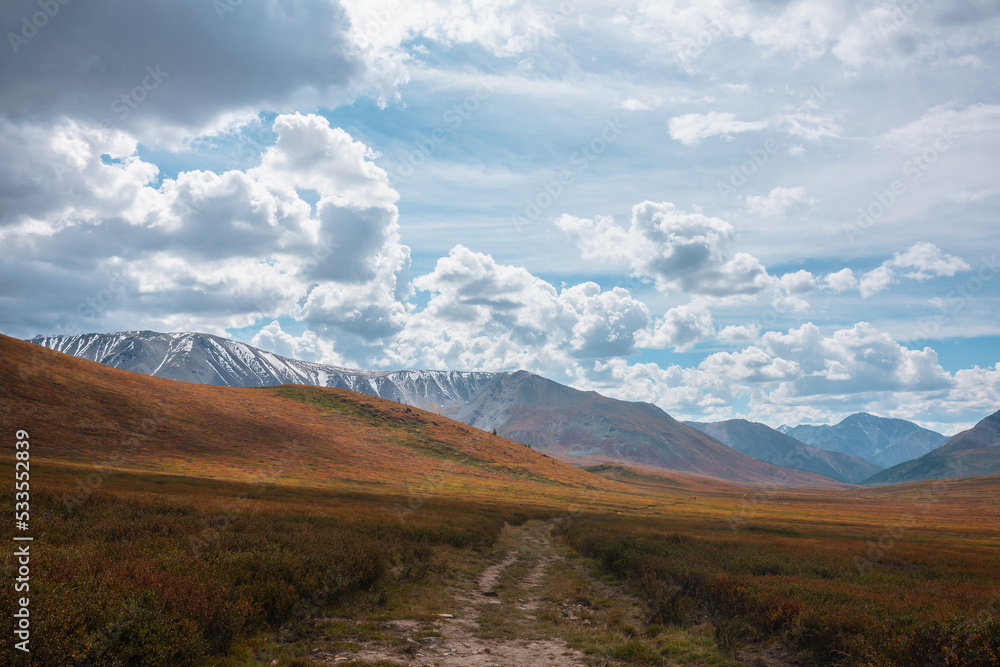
(309, 346)
(632, 104)
(780, 202)
(739, 333)
(208, 251)
(941, 126)
(790, 290)
(926, 261)
(681, 327)
(876, 280)
(841, 281)
(505, 27)
(691, 128)
(680, 250)
(482, 314)
(803, 374)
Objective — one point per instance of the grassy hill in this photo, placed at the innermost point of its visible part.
(90, 414)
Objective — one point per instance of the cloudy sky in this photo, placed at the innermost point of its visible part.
(784, 210)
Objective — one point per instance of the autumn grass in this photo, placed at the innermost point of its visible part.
(812, 597)
(134, 575)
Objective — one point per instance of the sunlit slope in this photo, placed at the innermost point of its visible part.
(86, 413)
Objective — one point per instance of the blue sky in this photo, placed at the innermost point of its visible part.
(784, 211)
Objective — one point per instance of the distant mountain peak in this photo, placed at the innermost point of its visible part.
(971, 453)
(210, 359)
(767, 444)
(886, 441)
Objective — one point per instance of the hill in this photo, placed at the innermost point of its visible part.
(208, 359)
(972, 453)
(587, 428)
(880, 440)
(763, 442)
(90, 414)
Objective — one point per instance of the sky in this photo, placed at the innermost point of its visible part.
(780, 210)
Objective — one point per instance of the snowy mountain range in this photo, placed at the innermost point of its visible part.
(527, 408)
(208, 359)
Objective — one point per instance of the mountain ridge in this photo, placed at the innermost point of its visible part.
(588, 428)
(762, 442)
(971, 453)
(648, 437)
(886, 441)
(208, 359)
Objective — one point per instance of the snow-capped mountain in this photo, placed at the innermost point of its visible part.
(208, 359)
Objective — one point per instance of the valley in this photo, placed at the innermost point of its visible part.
(299, 525)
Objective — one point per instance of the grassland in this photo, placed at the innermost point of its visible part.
(181, 524)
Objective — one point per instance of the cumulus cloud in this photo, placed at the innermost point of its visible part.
(876, 280)
(840, 281)
(680, 250)
(924, 261)
(482, 314)
(803, 371)
(680, 328)
(309, 346)
(202, 250)
(927, 261)
(739, 333)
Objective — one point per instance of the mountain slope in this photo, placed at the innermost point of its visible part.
(763, 442)
(972, 453)
(83, 413)
(589, 428)
(880, 440)
(207, 359)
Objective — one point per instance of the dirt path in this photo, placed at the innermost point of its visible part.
(530, 601)
(469, 633)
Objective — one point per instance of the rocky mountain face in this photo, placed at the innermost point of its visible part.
(765, 443)
(972, 453)
(880, 440)
(207, 359)
(586, 427)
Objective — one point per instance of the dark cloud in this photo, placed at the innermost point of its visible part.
(181, 63)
